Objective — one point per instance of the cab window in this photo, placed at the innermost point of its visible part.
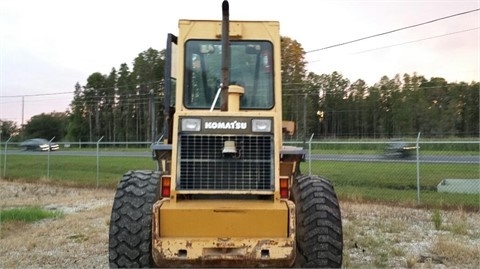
(250, 67)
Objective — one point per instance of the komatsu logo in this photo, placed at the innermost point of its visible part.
(237, 125)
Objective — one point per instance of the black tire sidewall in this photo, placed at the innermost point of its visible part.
(130, 230)
(319, 238)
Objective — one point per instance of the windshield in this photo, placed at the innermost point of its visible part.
(250, 67)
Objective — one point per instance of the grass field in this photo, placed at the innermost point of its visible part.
(396, 183)
(74, 170)
(391, 183)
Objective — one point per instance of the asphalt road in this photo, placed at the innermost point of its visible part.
(382, 158)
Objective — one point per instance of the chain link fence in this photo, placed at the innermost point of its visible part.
(403, 172)
(428, 173)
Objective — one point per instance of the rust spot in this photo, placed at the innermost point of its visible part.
(228, 211)
(224, 245)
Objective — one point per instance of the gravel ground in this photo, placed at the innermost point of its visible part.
(374, 235)
(79, 239)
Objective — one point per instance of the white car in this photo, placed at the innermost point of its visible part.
(38, 144)
(400, 149)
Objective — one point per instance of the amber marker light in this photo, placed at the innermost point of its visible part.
(165, 186)
(283, 187)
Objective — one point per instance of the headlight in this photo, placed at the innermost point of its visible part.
(261, 125)
(43, 146)
(191, 125)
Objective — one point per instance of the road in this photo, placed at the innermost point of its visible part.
(381, 158)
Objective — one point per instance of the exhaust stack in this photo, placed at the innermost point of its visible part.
(225, 56)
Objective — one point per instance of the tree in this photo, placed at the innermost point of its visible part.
(315, 116)
(108, 105)
(94, 96)
(77, 126)
(117, 105)
(388, 90)
(125, 107)
(47, 126)
(436, 99)
(8, 129)
(470, 110)
(148, 73)
(334, 87)
(357, 94)
(293, 78)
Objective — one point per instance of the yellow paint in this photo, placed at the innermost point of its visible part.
(234, 92)
(193, 251)
(235, 30)
(223, 218)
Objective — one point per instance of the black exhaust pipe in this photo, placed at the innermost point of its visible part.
(225, 56)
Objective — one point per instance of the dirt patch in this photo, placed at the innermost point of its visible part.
(386, 237)
(374, 235)
(79, 239)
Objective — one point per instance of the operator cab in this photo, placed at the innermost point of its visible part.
(250, 68)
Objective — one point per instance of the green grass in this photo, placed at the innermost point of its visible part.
(396, 183)
(27, 214)
(385, 182)
(402, 176)
(437, 219)
(75, 170)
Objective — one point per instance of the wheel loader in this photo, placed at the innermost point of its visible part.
(227, 192)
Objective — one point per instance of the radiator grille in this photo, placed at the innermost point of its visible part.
(203, 166)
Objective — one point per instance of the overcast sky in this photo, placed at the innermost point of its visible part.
(47, 46)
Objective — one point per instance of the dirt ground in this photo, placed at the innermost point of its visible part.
(79, 239)
(374, 235)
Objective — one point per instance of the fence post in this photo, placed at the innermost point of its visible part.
(98, 162)
(310, 155)
(48, 158)
(0, 153)
(417, 148)
(5, 159)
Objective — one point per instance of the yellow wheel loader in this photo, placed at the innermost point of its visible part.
(226, 193)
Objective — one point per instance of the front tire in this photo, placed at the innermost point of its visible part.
(319, 235)
(130, 234)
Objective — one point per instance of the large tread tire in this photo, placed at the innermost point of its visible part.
(319, 236)
(130, 235)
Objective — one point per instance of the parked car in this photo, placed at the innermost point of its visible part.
(38, 144)
(399, 149)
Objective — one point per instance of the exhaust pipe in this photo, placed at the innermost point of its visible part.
(225, 56)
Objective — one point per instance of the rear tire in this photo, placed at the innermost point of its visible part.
(319, 236)
(130, 235)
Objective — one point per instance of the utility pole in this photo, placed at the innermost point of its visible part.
(305, 118)
(152, 117)
(23, 111)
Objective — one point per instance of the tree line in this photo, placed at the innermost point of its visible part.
(127, 104)
(397, 107)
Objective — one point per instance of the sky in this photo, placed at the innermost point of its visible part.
(47, 46)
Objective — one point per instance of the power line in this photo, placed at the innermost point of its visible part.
(159, 82)
(418, 40)
(37, 94)
(409, 42)
(392, 31)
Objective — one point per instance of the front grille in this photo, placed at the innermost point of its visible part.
(203, 166)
